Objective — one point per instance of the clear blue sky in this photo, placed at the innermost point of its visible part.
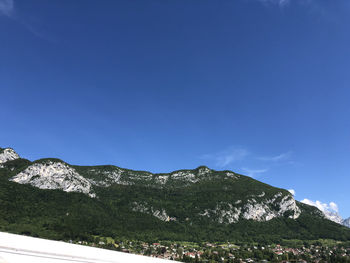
(261, 87)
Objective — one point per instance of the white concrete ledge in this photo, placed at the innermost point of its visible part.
(16, 248)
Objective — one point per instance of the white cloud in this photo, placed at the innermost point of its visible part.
(334, 206)
(226, 157)
(6, 7)
(329, 210)
(318, 204)
(280, 157)
(281, 3)
(292, 191)
(252, 172)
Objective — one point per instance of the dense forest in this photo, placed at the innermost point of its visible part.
(56, 214)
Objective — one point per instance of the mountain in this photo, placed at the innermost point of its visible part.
(346, 222)
(335, 217)
(329, 211)
(6, 155)
(53, 199)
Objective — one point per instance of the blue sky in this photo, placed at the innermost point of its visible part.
(260, 87)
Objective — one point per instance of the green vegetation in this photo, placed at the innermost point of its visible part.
(55, 214)
(314, 251)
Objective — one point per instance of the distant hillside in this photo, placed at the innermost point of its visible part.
(50, 198)
(346, 222)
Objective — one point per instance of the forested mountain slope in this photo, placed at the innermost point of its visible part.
(50, 198)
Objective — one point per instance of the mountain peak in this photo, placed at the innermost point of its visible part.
(202, 167)
(7, 154)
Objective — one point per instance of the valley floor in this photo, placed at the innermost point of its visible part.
(17, 248)
(318, 251)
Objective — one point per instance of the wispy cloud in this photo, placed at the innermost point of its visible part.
(333, 207)
(276, 158)
(253, 172)
(7, 8)
(226, 157)
(285, 3)
(292, 191)
(281, 3)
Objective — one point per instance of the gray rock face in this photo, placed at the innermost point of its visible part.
(254, 210)
(161, 214)
(6, 155)
(54, 175)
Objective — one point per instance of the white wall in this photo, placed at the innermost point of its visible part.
(16, 248)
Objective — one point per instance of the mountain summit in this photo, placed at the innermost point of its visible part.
(52, 198)
(7, 154)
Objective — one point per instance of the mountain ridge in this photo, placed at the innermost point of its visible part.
(56, 174)
(222, 201)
